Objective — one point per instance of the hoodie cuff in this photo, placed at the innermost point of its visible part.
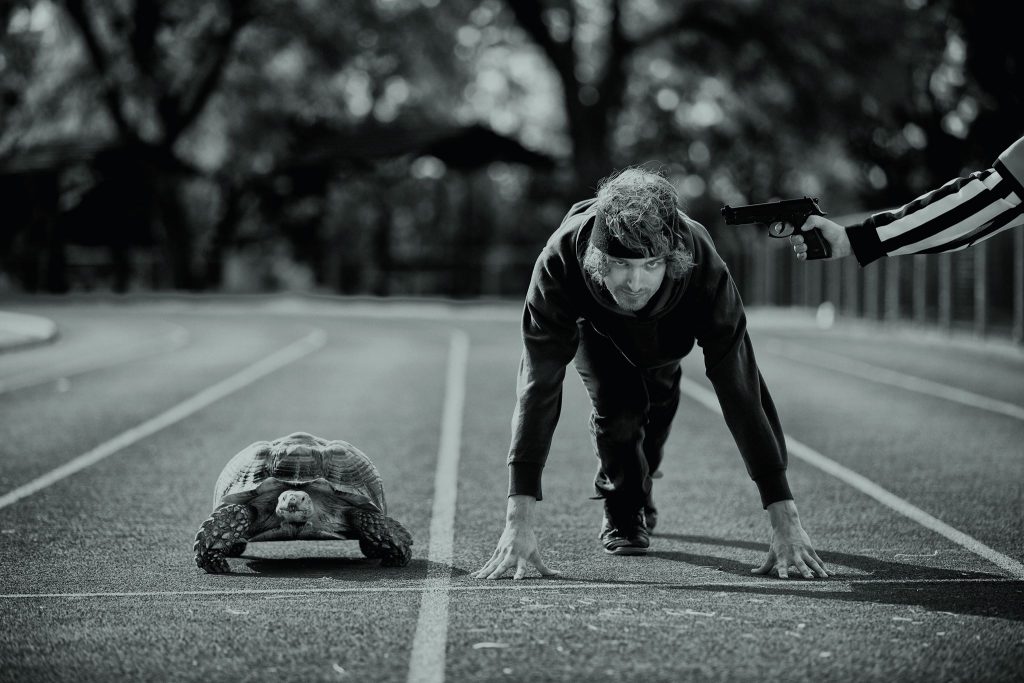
(524, 479)
(773, 488)
(865, 243)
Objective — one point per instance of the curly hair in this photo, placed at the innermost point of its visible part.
(640, 210)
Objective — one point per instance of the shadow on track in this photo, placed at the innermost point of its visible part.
(874, 567)
(349, 569)
(946, 590)
(1000, 599)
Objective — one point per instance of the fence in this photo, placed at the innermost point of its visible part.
(979, 289)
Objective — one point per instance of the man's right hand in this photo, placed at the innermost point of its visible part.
(517, 548)
(833, 233)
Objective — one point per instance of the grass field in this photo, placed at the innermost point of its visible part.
(906, 462)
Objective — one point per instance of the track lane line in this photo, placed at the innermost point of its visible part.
(829, 584)
(861, 370)
(427, 660)
(261, 368)
(710, 401)
(126, 353)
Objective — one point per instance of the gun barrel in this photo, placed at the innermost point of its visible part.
(770, 212)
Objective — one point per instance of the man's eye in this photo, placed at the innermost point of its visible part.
(620, 264)
(654, 264)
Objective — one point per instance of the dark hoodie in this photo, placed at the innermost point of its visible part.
(703, 307)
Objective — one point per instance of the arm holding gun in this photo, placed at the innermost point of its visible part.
(813, 236)
(956, 215)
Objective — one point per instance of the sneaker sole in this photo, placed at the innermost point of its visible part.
(626, 550)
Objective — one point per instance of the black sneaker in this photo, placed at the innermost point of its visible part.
(624, 533)
(650, 513)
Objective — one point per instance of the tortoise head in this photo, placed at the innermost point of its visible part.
(294, 509)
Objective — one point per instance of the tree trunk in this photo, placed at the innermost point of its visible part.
(382, 247)
(592, 156)
(177, 235)
(224, 235)
(55, 268)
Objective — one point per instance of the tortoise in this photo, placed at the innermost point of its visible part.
(299, 487)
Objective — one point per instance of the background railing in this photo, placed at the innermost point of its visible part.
(979, 289)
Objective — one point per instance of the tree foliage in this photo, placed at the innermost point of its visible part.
(338, 136)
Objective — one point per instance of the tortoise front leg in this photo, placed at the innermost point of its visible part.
(380, 536)
(224, 534)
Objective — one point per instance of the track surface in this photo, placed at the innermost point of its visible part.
(98, 581)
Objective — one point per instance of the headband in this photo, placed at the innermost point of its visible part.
(602, 240)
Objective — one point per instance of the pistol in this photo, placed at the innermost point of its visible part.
(791, 213)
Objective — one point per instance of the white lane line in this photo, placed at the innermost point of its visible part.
(855, 368)
(204, 398)
(427, 661)
(865, 485)
(829, 584)
(107, 357)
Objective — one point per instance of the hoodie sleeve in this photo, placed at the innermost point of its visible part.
(550, 339)
(748, 408)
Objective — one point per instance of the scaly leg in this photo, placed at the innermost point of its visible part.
(223, 535)
(383, 537)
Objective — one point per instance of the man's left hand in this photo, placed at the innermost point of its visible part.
(790, 547)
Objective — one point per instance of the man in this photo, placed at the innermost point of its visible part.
(624, 288)
(958, 215)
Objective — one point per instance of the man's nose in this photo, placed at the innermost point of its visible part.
(635, 279)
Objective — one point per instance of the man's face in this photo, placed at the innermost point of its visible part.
(633, 281)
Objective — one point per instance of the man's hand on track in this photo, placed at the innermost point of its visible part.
(517, 549)
(790, 546)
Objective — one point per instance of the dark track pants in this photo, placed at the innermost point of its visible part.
(632, 411)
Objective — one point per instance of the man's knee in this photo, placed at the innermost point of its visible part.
(623, 426)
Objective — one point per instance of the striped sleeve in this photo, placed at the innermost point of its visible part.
(957, 215)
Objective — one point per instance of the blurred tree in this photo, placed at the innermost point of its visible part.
(964, 106)
(307, 127)
(330, 96)
(756, 85)
(186, 94)
(315, 97)
(158, 65)
(128, 79)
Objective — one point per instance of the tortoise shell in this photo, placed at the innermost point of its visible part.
(301, 459)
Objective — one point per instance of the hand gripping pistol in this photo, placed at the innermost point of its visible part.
(790, 214)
